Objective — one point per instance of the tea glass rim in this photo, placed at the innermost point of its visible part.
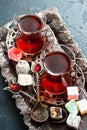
(34, 32)
(61, 73)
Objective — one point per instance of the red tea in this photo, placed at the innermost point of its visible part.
(56, 64)
(30, 41)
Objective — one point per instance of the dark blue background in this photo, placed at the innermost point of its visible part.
(74, 14)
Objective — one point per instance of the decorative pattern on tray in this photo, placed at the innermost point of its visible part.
(56, 34)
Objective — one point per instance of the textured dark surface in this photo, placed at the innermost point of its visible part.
(74, 14)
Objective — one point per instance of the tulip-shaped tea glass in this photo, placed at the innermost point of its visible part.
(30, 24)
(57, 64)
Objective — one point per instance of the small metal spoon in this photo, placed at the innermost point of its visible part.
(39, 113)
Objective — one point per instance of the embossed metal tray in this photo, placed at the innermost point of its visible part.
(64, 37)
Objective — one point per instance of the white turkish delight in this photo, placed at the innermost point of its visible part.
(22, 67)
(73, 121)
(82, 105)
(25, 79)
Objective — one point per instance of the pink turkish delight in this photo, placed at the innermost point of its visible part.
(14, 54)
(72, 93)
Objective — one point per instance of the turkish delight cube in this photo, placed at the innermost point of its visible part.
(71, 107)
(25, 79)
(82, 105)
(14, 54)
(73, 121)
(72, 93)
(56, 112)
(22, 67)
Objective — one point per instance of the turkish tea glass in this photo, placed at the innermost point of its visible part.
(56, 64)
(30, 23)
